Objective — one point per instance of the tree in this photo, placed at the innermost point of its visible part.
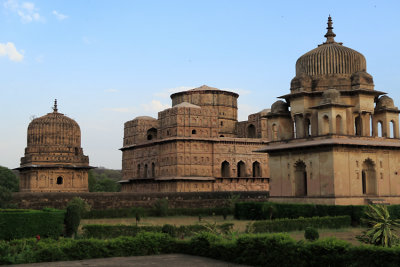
(381, 227)
(8, 184)
(75, 209)
(104, 180)
(8, 179)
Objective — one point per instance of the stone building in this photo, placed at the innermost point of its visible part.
(54, 160)
(196, 145)
(339, 141)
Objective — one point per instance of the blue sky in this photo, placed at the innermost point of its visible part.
(109, 61)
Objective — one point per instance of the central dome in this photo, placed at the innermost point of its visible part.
(330, 58)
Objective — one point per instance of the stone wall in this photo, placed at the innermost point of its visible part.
(124, 200)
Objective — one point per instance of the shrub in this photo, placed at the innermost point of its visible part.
(268, 210)
(169, 229)
(75, 209)
(16, 223)
(161, 207)
(311, 234)
(285, 225)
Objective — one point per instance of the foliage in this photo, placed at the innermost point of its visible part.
(8, 179)
(269, 210)
(286, 225)
(249, 249)
(76, 207)
(381, 227)
(161, 207)
(169, 229)
(145, 212)
(29, 223)
(104, 180)
(311, 234)
(112, 231)
(8, 183)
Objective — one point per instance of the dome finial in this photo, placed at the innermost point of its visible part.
(55, 106)
(330, 35)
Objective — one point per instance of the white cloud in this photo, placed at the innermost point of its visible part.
(155, 106)
(58, 15)
(9, 50)
(27, 10)
(167, 92)
(111, 90)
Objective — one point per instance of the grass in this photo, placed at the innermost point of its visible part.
(347, 234)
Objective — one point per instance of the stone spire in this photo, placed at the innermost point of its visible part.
(330, 35)
(55, 109)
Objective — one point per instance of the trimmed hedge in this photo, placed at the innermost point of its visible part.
(103, 231)
(251, 249)
(15, 224)
(131, 212)
(286, 225)
(264, 210)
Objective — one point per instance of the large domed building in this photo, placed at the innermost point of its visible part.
(54, 159)
(196, 145)
(334, 139)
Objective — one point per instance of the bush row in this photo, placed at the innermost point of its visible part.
(252, 249)
(131, 212)
(15, 224)
(268, 210)
(103, 231)
(286, 225)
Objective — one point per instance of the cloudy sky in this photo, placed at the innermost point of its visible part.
(109, 61)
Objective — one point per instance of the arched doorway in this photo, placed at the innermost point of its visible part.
(368, 178)
(145, 171)
(300, 179)
(152, 134)
(325, 124)
(307, 127)
(138, 171)
(251, 131)
(256, 169)
(357, 126)
(241, 169)
(225, 169)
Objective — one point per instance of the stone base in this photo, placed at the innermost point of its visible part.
(336, 200)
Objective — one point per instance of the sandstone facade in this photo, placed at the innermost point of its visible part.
(339, 142)
(197, 145)
(54, 160)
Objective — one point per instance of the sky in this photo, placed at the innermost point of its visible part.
(107, 62)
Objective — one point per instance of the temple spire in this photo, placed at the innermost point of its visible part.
(55, 106)
(330, 35)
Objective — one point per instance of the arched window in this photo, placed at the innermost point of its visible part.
(300, 179)
(145, 171)
(339, 129)
(151, 134)
(138, 171)
(325, 124)
(380, 129)
(194, 132)
(392, 127)
(307, 127)
(368, 176)
(251, 131)
(241, 169)
(256, 169)
(274, 132)
(59, 180)
(153, 170)
(225, 169)
(357, 126)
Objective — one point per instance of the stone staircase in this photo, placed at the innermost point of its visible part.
(377, 201)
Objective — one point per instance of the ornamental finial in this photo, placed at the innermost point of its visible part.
(55, 110)
(330, 35)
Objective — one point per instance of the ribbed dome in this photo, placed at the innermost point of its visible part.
(330, 58)
(54, 129)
